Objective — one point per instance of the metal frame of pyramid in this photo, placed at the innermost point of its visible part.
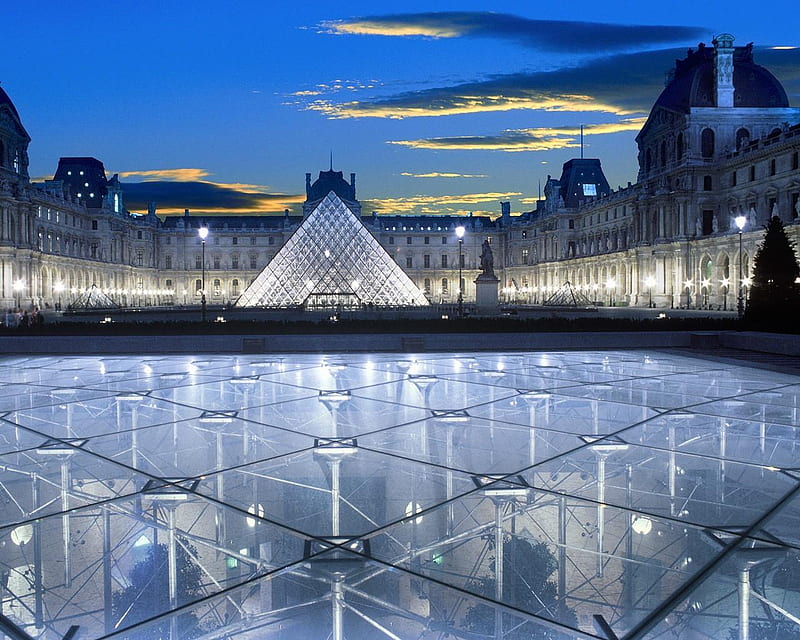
(91, 298)
(568, 296)
(332, 260)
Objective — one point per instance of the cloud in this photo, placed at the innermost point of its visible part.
(177, 175)
(553, 35)
(438, 174)
(435, 205)
(621, 84)
(204, 197)
(515, 140)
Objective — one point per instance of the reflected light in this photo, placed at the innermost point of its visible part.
(412, 508)
(642, 525)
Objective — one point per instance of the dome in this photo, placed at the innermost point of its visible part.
(5, 100)
(693, 82)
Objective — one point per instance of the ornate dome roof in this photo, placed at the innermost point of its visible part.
(693, 82)
(5, 100)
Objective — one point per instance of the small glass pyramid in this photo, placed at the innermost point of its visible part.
(332, 260)
(568, 296)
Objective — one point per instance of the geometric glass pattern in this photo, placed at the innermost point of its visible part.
(627, 494)
(568, 296)
(92, 298)
(332, 259)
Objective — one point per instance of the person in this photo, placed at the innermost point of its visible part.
(10, 319)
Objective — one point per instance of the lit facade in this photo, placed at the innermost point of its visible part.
(720, 141)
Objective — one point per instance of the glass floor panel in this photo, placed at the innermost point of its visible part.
(565, 495)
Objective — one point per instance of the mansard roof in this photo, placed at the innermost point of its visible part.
(693, 85)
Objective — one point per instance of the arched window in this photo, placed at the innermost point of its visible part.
(742, 138)
(235, 287)
(198, 286)
(707, 268)
(444, 285)
(679, 147)
(427, 285)
(707, 143)
(726, 268)
(217, 287)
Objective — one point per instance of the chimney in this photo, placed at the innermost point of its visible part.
(353, 183)
(723, 69)
(185, 212)
(308, 183)
(505, 208)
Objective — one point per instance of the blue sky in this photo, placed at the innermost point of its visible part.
(437, 107)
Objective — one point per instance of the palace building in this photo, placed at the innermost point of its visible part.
(721, 141)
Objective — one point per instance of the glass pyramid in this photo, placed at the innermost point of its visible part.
(568, 296)
(332, 260)
(92, 298)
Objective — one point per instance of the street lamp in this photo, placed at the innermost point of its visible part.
(649, 282)
(203, 233)
(18, 286)
(610, 284)
(59, 288)
(740, 222)
(460, 235)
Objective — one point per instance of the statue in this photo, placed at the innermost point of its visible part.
(487, 260)
(797, 208)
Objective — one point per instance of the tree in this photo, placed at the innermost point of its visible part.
(774, 294)
(147, 594)
(527, 567)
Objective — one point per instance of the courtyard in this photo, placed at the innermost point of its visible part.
(569, 494)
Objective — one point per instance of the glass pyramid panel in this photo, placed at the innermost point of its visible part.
(332, 259)
(92, 298)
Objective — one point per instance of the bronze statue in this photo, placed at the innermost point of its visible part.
(487, 259)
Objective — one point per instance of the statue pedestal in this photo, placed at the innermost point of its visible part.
(486, 288)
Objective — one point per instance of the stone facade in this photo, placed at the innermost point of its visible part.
(720, 141)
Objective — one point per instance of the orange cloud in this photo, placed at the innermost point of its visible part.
(175, 175)
(461, 104)
(388, 27)
(437, 174)
(441, 205)
(516, 140)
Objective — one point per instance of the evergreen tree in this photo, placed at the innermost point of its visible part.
(147, 594)
(527, 567)
(774, 293)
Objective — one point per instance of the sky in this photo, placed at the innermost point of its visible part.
(437, 107)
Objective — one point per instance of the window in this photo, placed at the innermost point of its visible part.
(795, 161)
(252, 241)
(216, 240)
(742, 139)
(198, 262)
(796, 205)
(198, 285)
(752, 172)
(217, 287)
(444, 285)
(168, 284)
(428, 240)
(234, 262)
(707, 143)
(168, 262)
(94, 225)
(169, 240)
(234, 241)
(733, 179)
(139, 258)
(427, 286)
(216, 262)
(525, 256)
(706, 183)
(271, 240)
(426, 261)
(409, 262)
(524, 234)
(391, 239)
(772, 167)
(571, 226)
(444, 239)
(253, 261)
(138, 235)
(444, 261)
(708, 221)
(408, 239)
(235, 288)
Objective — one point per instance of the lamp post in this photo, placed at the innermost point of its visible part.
(460, 235)
(740, 222)
(649, 282)
(610, 284)
(59, 288)
(18, 286)
(203, 233)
